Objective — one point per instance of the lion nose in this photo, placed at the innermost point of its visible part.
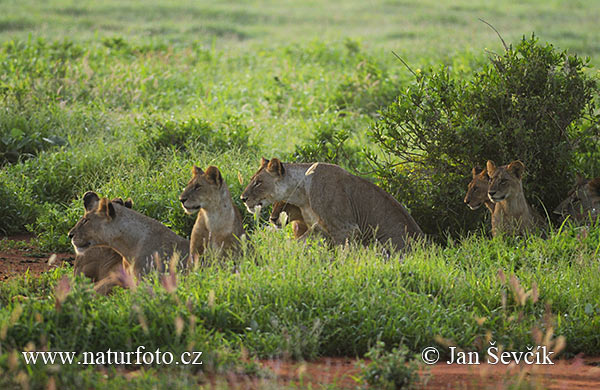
(243, 198)
(70, 235)
(182, 200)
(492, 193)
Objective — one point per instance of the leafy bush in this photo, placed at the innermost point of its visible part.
(331, 144)
(157, 133)
(26, 128)
(527, 104)
(390, 370)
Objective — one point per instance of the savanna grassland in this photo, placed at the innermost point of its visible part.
(124, 97)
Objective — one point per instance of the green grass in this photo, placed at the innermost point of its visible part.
(282, 299)
(124, 97)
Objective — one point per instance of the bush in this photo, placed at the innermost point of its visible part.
(531, 104)
(157, 133)
(390, 370)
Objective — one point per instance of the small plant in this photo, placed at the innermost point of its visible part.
(390, 370)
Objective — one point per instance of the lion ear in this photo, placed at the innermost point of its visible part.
(118, 200)
(263, 162)
(128, 203)
(90, 200)
(476, 171)
(106, 208)
(214, 175)
(490, 166)
(516, 168)
(197, 171)
(275, 166)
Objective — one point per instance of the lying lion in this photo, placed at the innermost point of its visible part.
(333, 201)
(100, 262)
(219, 223)
(583, 202)
(142, 241)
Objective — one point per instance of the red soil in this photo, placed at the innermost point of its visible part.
(18, 261)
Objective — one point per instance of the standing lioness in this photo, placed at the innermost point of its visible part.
(140, 239)
(335, 202)
(219, 223)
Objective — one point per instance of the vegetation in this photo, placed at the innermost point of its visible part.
(528, 104)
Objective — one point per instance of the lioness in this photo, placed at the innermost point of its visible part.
(512, 214)
(219, 222)
(477, 191)
(335, 202)
(294, 217)
(98, 263)
(583, 201)
(143, 241)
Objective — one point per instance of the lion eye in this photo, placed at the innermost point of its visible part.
(84, 221)
(257, 184)
(197, 186)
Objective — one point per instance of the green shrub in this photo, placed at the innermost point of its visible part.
(390, 370)
(527, 104)
(157, 133)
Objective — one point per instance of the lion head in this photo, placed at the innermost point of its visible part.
(203, 190)
(94, 228)
(263, 185)
(477, 191)
(505, 181)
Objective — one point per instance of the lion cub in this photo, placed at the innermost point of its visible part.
(219, 223)
(333, 201)
(583, 202)
(477, 192)
(143, 241)
(294, 217)
(512, 214)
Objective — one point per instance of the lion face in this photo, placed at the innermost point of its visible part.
(91, 230)
(202, 191)
(505, 181)
(263, 185)
(582, 201)
(477, 191)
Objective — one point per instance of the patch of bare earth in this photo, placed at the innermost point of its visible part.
(17, 261)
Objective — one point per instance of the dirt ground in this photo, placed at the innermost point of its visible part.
(18, 261)
(581, 373)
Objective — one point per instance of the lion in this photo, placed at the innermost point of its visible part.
(98, 263)
(333, 201)
(477, 191)
(219, 223)
(512, 214)
(293, 217)
(583, 202)
(141, 240)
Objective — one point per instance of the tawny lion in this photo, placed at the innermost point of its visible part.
(219, 223)
(512, 214)
(333, 201)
